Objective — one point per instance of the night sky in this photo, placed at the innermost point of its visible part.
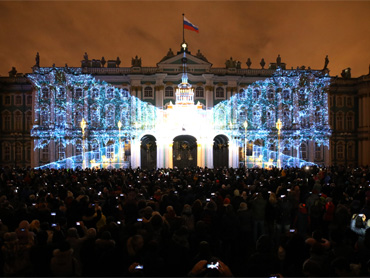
(303, 33)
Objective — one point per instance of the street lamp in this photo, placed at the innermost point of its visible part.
(119, 124)
(279, 125)
(83, 126)
(245, 143)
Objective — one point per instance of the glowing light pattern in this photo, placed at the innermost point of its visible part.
(298, 97)
(65, 96)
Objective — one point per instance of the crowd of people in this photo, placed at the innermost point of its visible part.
(290, 222)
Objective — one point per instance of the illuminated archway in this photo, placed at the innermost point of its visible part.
(184, 151)
(148, 152)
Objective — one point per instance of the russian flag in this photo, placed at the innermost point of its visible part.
(190, 26)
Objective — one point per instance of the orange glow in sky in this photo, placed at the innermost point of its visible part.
(303, 33)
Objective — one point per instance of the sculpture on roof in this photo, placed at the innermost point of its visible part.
(86, 57)
(136, 62)
(231, 64)
(13, 72)
(102, 61)
(278, 60)
(326, 62)
(249, 63)
(262, 63)
(118, 62)
(37, 60)
(201, 56)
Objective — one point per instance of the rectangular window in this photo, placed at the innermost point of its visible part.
(349, 102)
(7, 100)
(7, 122)
(29, 100)
(45, 153)
(7, 153)
(18, 153)
(18, 122)
(339, 101)
(18, 100)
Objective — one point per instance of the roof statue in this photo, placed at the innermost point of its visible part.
(13, 72)
(102, 61)
(232, 64)
(201, 56)
(249, 63)
(37, 60)
(278, 60)
(136, 62)
(118, 62)
(326, 62)
(262, 63)
(168, 55)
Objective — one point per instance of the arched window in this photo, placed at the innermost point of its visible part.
(286, 94)
(318, 114)
(286, 117)
(61, 93)
(148, 92)
(7, 120)
(339, 101)
(44, 116)
(242, 114)
(272, 150)
(78, 93)
(60, 151)
(95, 116)
(331, 120)
(109, 116)
(60, 117)
(242, 93)
(350, 121)
(256, 94)
(110, 150)
(110, 93)
(256, 116)
(339, 123)
(78, 150)
(220, 92)
(302, 95)
(77, 115)
(168, 92)
(270, 94)
(199, 92)
(18, 152)
(125, 93)
(270, 117)
(316, 95)
(95, 93)
(45, 93)
(45, 153)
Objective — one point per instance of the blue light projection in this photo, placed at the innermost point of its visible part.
(65, 96)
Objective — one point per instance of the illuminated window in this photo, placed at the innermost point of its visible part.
(242, 93)
(61, 93)
(61, 151)
(18, 100)
(110, 93)
(286, 117)
(256, 94)
(78, 150)
(256, 116)
(148, 92)
(199, 92)
(109, 116)
(95, 146)
(125, 93)
(350, 121)
(340, 151)
(220, 92)
(270, 95)
(272, 149)
(78, 93)
(304, 119)
(110, 150)
(18, 120)
(340, 120)
(286, 94)
(95, 93)
(45, 93)
(77, 115)
(95, 116)
(270, 117)
(316, 95)
(168, 92)
(318, 113)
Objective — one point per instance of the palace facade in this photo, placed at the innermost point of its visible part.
(136, 116)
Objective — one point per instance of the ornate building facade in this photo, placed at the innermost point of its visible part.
(128, 111)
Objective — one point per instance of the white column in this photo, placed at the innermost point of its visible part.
(170, 155)
(209, 154)
(160, 156)
(135, 153)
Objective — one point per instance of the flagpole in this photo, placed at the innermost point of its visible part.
(183, 29)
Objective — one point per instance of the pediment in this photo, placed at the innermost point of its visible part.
(174, 64)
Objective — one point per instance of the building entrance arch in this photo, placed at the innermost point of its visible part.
(220, 151)
(148, 152)
(184, 151)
